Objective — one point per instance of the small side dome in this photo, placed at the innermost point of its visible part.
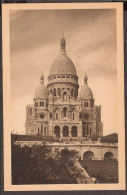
(41, 92)
(85, 92)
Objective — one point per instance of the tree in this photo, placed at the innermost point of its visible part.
(40, 165)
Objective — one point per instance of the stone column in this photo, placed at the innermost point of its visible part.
(61, 132)
(51, 128)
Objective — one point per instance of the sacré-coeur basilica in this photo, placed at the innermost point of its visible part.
(59, 109)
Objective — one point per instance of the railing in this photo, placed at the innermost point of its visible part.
(94, 143)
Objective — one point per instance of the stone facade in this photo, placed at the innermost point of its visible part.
(59, 109)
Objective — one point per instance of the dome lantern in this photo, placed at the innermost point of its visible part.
(42, 78)
(85, 78)
(63, 44)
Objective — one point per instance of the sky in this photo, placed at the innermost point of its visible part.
(90, 43)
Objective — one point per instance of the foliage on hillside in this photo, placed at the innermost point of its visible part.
(40, 165)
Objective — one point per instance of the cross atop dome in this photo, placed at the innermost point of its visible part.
(63, 43)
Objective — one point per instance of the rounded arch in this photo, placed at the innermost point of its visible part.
(57, 131)
(54, 92)
(58, 92)
(108, 156)
(65, 131)
(74, 131)
(64, 96)
(89, 155)
(64, 111)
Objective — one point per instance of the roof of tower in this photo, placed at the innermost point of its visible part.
(85, 92)
(41, 91)
(63, 64)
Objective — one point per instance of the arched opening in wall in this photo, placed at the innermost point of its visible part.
(108, 156)
(64, 112)
(58, 91)
(88, 155)
(41, 129)
(57, 131)
(71, 92)
(64, 97)
(83, 132)
(74, 131)
(87, 130)
(54, 92)
(65, 131)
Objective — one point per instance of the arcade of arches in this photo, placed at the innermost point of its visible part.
(65, 131)
(89, 155)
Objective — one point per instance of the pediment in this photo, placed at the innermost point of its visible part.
(70, 100)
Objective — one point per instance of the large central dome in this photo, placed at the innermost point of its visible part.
(63, 64)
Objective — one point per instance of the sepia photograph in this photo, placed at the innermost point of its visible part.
(63, 82)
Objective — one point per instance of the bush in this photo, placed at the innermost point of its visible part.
(40, 165)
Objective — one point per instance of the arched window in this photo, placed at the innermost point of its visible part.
(64, 97)
(87, 130)
(57, 131)
(65, 131)
(41, 129)
(41, 104)
(56, 116)
(64, 112)
(46, 103)
(58, 91)
(54, 92)
(83, 132)
(74, 131)
(73, 116)
(72, 92)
